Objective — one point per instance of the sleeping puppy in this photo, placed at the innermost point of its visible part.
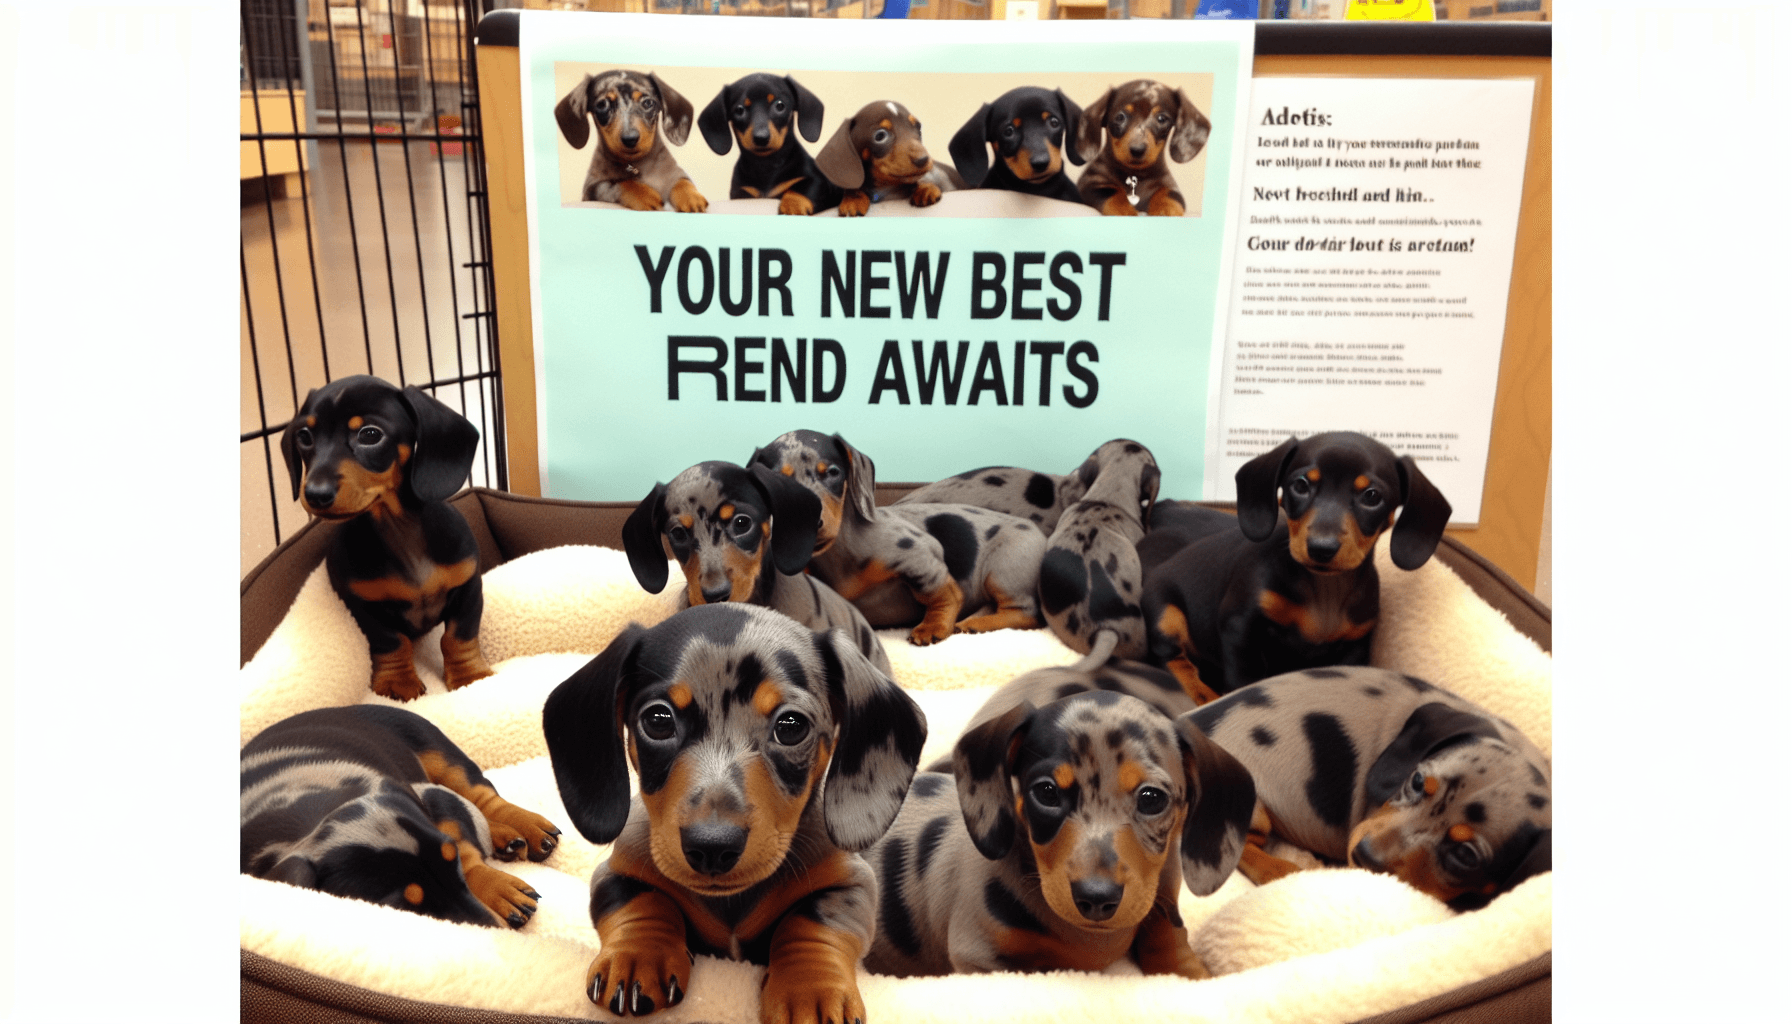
(374, 803)
(760, 111)
(768, 755)
(1089, 580)
(877, 154)
(631, 164)
(741, 535)
(1028, 127)
(1144, 120)
(1387, 772)
(1037, 497)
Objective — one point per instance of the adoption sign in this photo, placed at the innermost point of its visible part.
(988, 327)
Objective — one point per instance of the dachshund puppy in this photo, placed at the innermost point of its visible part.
(1028, 127)
(926, 566)
(1143, 119)
(383, 462)
(374, 803)
(1064, 858)
(721, 523)
(1233, 608)
(1090, 579)
(768, 755)
(877, 154)
(1038, 497)
(631, 164)
(1386, 772)
(760, 111)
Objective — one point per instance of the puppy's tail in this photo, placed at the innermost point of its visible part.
(1099, 651)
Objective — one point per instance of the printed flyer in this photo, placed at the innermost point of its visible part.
(924, 236)
(1376, 236)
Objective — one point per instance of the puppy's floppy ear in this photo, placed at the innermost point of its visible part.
(796, 517)
(969, 149)
(1073, 126)
(569, 113)
(641, 539)
(677, 111)
(860, 496)
(713, 123)
(981, 761)
(839, 161)
(1536, 861)
(582, 722)
(1192, 129)
(1428, 729)
(294, 870)
(881, 733)
(1525, 854)
(289, 447)
(1088, 133)
(808, 110)
(1423, 515)
(1257, 481)
(1149, 477)
(446, 441)
(1221, 797)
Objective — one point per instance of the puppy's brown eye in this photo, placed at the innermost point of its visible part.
(1052, 123)
(677, 534)
(1119, 120)
(880, 137)
(1462, 858)
(1046, 794)
(1163, 119)
(777, 106)
(1152, 800)
(303, 437)
(1371, 498)
(790, 729)
(1299, 487)
(741, 524)
(370, 436)
(657, 723)
(1417, 782)
(648, 105)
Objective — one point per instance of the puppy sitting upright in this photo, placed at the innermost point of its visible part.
(1235, 607)
(768, 754)
(1028, 127)
(1064, 859)
(1143, 120)
(760, 111)
(877, 154)
(631, 164)
(384, 462)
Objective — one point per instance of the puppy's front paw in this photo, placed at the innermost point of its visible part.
(637, 196)
(795, 205)
(810, 999)
(635, 978)
(397, 680)
(515, 830)
(926, 194)
(504, 894)
(926, 634)
(1163, 204)
(686, 198)
(1118, 205)
(855, 204)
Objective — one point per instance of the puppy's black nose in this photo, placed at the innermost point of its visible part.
(1138, 150)
(762, 136)
(1097, 898)
(1364, 857)
(1041, 161)
(713, 848)
(1322, 549)
(717, 595)
(629, 138)
(320, 494)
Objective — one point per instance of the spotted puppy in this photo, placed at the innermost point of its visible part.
(1028, 128)
(768, 754)
(939, 568)
(1144, 121)
(1090, 580)
(374, 803)
(631, 164)
(1038, 497)
(1386, 772)
(1063, 860)
(721, 524)
(877, 154)
(383, 461)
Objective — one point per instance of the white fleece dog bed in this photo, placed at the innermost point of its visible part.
(1330, 945)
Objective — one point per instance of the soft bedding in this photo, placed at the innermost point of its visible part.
(1330, 945)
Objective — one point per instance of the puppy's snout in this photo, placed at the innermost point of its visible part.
(920, 160)
(718, 593)
(1137, 149)
(1097, 898)
(1322, 549)
(320, 493)
(762, 135)
(631, 137)
(1040, 162)
(713, 848)
(1363, 856)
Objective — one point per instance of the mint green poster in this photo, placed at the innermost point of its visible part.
(989, 313)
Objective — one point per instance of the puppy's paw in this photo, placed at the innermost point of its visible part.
(854, 205)
(630, 978)
(462, 662)
(504, 894)
(795, 205)
(926, 194)
(686, 198)
(821, 998)
(515, 829)
(397, 681)
(1118, 205)
(637, 196)
(928, 634)
(1163, 204)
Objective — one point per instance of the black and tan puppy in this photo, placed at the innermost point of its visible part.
(1280, 595)
(765, 113)
(768, 754)
(1090, 579)
(877, 154)
(1050, 845)
(384, 461)
(942, 569)
(741, 535)
(1144, 121)
(631, 164)
(374, 803)
(1028, 127)
(1386, 772)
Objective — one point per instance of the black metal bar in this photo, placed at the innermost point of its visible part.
(348, 189)
(292, 106)
(491, 409)
(410, 182)
(460, 359)
(477, 313)
(273, 233)
(261, 404)
(379, 186)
